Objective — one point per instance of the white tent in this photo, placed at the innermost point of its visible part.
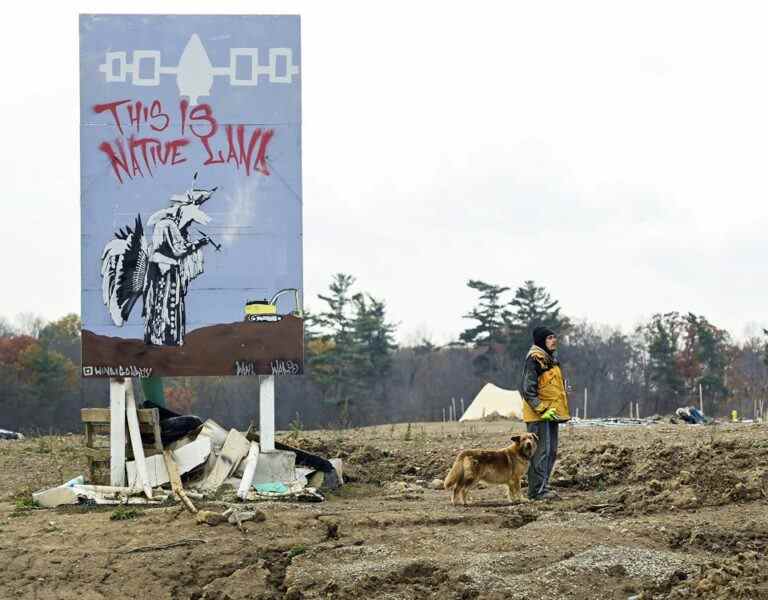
(492, 399)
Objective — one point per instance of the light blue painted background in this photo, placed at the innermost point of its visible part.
(256, 218)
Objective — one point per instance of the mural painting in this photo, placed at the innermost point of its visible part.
(191, 195)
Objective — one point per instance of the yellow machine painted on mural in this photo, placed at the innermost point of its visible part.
(265, 311)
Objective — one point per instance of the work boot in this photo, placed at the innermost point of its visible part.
(547, 495)
(553, 493)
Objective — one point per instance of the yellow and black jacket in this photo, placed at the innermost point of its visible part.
(543, 386)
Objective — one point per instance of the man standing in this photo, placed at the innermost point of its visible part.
(546, 406)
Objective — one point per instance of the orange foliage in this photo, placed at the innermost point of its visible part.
(11, 347)
(180, 399)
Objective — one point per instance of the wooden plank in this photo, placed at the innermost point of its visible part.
(138, 449)
(156, 430)
(176, 486)
(146, 416)
(156, 472)
(102, 494)
(88, 435)
(185, 458)
(235, 448)
(117, 432)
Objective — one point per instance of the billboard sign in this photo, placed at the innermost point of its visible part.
(191, 212)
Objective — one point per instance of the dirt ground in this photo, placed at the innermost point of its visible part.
(663, 511)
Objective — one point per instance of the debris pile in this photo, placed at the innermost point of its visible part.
(215, 464)
(10, 435)
(611, 422)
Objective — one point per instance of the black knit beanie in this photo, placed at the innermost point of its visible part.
(540, 335)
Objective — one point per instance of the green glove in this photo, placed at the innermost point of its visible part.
(549, 415)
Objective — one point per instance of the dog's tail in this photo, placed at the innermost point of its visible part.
(456, 474)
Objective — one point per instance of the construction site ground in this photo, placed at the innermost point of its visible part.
(660, 511)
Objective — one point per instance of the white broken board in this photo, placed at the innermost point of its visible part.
(235, 449)
(218, 435)
(96, 494)
(186, 458)
(249, 471)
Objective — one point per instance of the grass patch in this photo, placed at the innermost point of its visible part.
(296, 551)
(24, 504)
(123, 513)
(23, 507)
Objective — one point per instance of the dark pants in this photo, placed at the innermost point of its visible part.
(543, 460)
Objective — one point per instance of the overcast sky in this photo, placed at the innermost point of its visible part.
(614, 152)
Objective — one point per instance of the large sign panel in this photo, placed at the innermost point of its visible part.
(190, 140)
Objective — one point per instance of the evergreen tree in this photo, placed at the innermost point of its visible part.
(352, 357)
(330, 365)
(533, 306)
(373, 338)
(490, 332)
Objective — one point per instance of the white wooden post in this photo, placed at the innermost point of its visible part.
(443, 414)
(116, 432)
(701, 400)
(267, 412)
(453, 408)
(462, 407)
(585, 403)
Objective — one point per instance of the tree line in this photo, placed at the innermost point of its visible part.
(356, 373)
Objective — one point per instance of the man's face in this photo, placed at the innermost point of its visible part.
(551, 343)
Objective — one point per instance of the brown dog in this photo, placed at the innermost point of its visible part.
(502, 467)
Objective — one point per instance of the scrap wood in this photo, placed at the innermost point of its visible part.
(215, 432)
(107, 494)
(304, 495)
(234, 450)
(176, 485)
(135, 434)
(165, 546)
(185, 457)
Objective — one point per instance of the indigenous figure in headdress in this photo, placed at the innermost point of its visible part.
(160, 270)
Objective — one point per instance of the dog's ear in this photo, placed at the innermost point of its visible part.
(535, 437)
(517, 437)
